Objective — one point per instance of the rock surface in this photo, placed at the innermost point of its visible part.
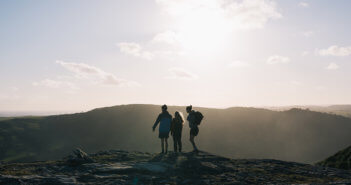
(121, 167)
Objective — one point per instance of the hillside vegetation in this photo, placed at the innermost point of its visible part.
(293, 135)
(341, 159)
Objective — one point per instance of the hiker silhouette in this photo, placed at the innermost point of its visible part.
(194, 129)
(164, 119)
(176, 130)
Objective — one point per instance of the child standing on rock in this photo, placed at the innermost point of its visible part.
(176, 130)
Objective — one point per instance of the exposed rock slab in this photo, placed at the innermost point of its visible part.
(121, 167)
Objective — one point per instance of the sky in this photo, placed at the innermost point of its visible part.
(63, 55)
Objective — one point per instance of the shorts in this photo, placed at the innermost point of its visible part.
(163, 135)
(194, 131)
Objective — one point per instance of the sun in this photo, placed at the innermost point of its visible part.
(202, 29)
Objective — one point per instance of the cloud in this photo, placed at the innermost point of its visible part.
(335, 51)
(86, 71)
(308, 33)
(276, 59)
(134, 49)
(304, 53)
(179, 73)
(239, 64)
(168, 37)
(304, 4)
(251, 13)
(55, 84)
(238, 14)
(332, 66)
(201, 25)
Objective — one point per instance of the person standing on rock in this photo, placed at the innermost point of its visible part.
(165, 120)
(176, 130)
(194, 118)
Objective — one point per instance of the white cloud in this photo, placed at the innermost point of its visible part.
(332, 66)
(204, 25)
(304, 4)
(304, 53)
(251, 13)
(201, 25)
(237, 14)
(238, 64)
(276, 59)
(56, 84)
(134, 49)
(179, 73)
(169, 37)
(86, 71)
(335, 51)
(308, 33)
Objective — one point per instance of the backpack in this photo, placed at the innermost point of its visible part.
(198, 117)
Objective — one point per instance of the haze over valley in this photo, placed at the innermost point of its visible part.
(293, 135)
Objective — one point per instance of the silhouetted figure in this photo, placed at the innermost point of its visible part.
(165, 120)
(194, 129)
(176, 130)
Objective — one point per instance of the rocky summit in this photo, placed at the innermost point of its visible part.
(122, 167)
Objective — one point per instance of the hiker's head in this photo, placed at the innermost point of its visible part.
(189, 108)
(179, 115)
(164, 107)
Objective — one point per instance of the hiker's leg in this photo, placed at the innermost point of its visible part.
(162, 145)
(175, 143)
(180, 143)
(166, 145)
(193, 142)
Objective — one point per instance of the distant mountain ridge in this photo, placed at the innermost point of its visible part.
(292, 135)
(343, 110)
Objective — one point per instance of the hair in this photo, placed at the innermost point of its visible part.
(179, 115)
(164, 107)
(190, 107)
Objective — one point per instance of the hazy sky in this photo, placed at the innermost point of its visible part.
(77, 55)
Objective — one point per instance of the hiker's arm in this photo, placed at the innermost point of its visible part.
(156, 122)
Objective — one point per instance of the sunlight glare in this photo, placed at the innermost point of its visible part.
(203, 27)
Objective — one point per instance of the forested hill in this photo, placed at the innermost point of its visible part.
(293, 135)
